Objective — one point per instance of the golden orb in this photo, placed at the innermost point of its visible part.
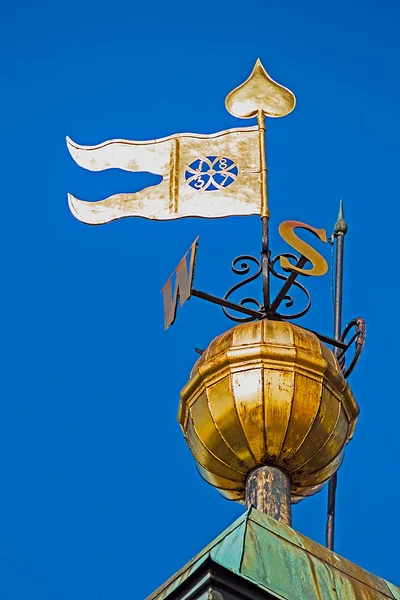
(267, 393)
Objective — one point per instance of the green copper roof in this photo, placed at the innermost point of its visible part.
(284, 563)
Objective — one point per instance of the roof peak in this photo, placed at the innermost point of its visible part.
(270, 555)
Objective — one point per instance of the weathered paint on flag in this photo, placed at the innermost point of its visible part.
(214, 175)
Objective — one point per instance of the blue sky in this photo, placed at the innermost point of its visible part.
(100, 496)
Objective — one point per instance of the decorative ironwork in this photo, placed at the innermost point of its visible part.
(271, 311)
(283, 296)
(211, 173)
(244, 268)
(358, 338)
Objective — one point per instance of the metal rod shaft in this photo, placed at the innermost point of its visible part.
(339, 286)
(340, 231)
(330, 522)
(264, 210)
(268, 490)
(226, 304)
(265, 263)
(327, 340)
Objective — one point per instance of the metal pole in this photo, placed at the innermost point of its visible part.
(268, 490)
(265, 263)
(340, 230)
(264, 209)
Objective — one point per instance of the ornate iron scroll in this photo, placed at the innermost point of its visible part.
(242, 270)
(358, 338)
(290, 279)
(241, 267)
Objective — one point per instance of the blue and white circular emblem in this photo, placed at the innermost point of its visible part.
(211, 173)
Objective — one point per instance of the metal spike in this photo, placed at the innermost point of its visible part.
(341, 226)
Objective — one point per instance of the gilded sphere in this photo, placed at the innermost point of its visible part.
(267, 393)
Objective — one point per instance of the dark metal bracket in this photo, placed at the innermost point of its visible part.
(253, 314)
(358, 338)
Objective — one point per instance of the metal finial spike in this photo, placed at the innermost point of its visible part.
(341, 226)
(341, 210)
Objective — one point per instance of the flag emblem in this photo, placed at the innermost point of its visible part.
(211, 173)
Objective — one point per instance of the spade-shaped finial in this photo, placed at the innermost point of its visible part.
(260, 93)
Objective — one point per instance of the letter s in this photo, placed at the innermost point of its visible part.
(320, 266)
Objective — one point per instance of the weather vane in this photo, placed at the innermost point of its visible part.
(220, 175)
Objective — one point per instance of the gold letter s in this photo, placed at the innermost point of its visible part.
(320, 266)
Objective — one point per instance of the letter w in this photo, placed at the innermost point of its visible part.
(183, 286)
